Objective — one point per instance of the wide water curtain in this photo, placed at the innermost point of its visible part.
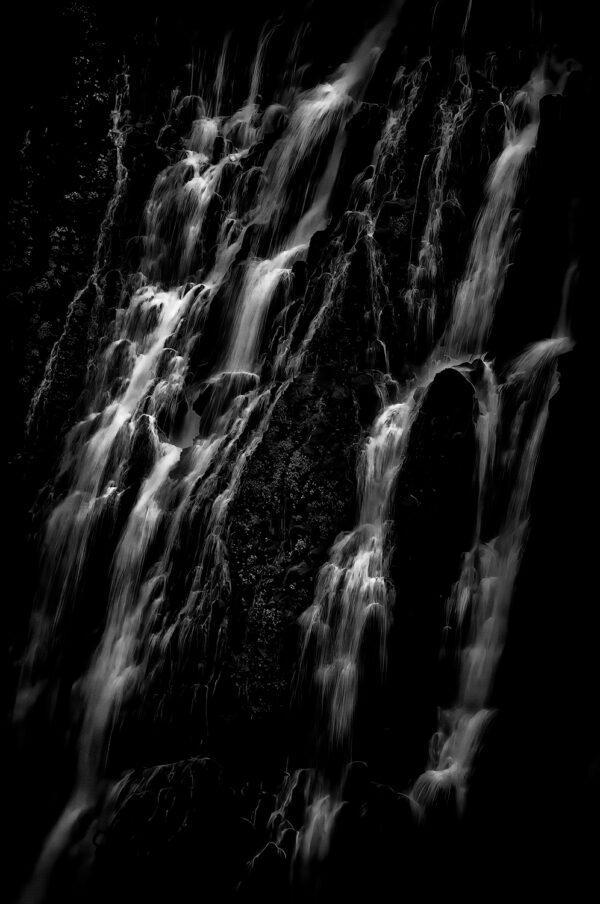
(303, 395)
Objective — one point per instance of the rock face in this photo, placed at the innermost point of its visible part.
(434, 512)
(279, 538)
(206, 787)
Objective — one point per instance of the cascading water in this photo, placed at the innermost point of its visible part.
(485, 587)
(351, 597)
(351, 589)
(353, 594)
(254, 288)
(424, 275)
(143, 385)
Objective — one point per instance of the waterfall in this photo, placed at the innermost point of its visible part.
(124, 462)
(352, 595)
(496, 229)
(519, 409)
(352, 588)
(230, 521)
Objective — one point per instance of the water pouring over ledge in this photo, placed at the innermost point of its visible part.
(482, 596)
(123, 462)
(353, 586)
(157, 557)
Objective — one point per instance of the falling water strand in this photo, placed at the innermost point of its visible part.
(351, 596)
(496, 229)
(118, 134)
(425, 276)
(485, 587)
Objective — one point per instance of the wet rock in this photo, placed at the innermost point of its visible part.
(394, 220)
(296, 808)
(363, 130)
(188, 110)
(249, 187)
(142, 453)
(217, 394)
(229, 174)
(355, 783)
(252, 238)
(299, 282)
(367, 396)
(453, 237)
(161, 817)
(205, 347)
(267, 878)
(355, 224)
(297, 571)
(263, 811)
(274, 120)
(211, 227)
(118, 361)
(317, 552)
(551, 110)
(244, 839)
(164, 363)
(289, 842)
(361, 194)
(171, 413)
(433, 511)
(316, 247)
(295, 493)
